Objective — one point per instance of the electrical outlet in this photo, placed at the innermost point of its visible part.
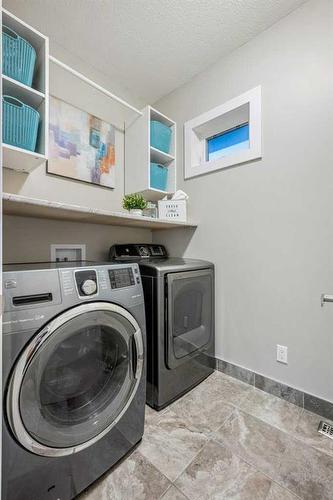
(282, 354)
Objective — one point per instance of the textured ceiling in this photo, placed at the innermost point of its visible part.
(151, 47)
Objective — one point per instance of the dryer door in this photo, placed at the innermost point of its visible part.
(75, 379)
(190, 314)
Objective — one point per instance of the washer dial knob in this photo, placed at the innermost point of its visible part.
(89, 287)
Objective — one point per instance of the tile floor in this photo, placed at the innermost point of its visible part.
(224, 440)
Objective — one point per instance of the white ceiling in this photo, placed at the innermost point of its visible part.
(151, 47)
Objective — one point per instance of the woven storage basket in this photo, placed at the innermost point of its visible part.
(158, 176)
(18, 57)
(160, 136)
(20, 123)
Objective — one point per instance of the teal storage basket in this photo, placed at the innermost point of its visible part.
(160, 136)
(18, 57)
(20, 123)
(158, 176)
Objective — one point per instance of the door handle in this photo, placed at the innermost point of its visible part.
(137, 354)
(325, 298)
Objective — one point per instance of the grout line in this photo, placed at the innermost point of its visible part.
(284, 488)
(166, 491)
(250, 464)
(154, 466)
(297, 438)
(255, 467)
(178, 489)
(212, 438)
(191, 430)
(291, 434)
(192, 459)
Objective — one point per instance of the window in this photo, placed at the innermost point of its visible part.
(227, 135)
(226, 143)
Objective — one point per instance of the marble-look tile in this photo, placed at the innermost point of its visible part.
(207, 406)
(235, 371)
(280, 390)
(169, 445)
(276, 492)
(256, 442)
(151, 415)
(216, 473)
(319, 406)
(174, 494)
(307, 472)
(271, 409)
(134, 478)
(307, 432)
(225, 387)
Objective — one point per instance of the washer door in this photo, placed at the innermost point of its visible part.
(75, 379)
(190, 314)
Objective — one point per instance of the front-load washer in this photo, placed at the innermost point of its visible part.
(179, 300)
(74, 375)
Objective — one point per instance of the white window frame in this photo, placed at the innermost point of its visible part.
(195, 166)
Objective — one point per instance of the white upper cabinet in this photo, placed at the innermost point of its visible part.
(150, 170)
(36, 96)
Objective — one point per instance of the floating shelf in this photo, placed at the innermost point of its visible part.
(24, 206)
(154, 194)
(158, 156)
(28, 95)
(21, 160)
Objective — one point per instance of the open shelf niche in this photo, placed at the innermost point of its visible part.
(139, 153)
(35, 96)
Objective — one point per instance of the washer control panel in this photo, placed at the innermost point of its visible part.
(122, 277)
(86, 282)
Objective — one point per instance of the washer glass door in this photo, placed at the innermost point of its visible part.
(76, 379)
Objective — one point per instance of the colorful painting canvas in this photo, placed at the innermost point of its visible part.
(81, 146)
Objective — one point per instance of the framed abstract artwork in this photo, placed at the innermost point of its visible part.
(81, 146)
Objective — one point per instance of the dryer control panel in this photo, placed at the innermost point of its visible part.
(137, 252)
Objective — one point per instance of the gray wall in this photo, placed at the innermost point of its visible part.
(268, 225)
(29, 239)
(69, 88)
(39, 184)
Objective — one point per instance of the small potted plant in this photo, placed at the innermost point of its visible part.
(134, 203)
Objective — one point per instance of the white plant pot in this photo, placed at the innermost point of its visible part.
(136, 211)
